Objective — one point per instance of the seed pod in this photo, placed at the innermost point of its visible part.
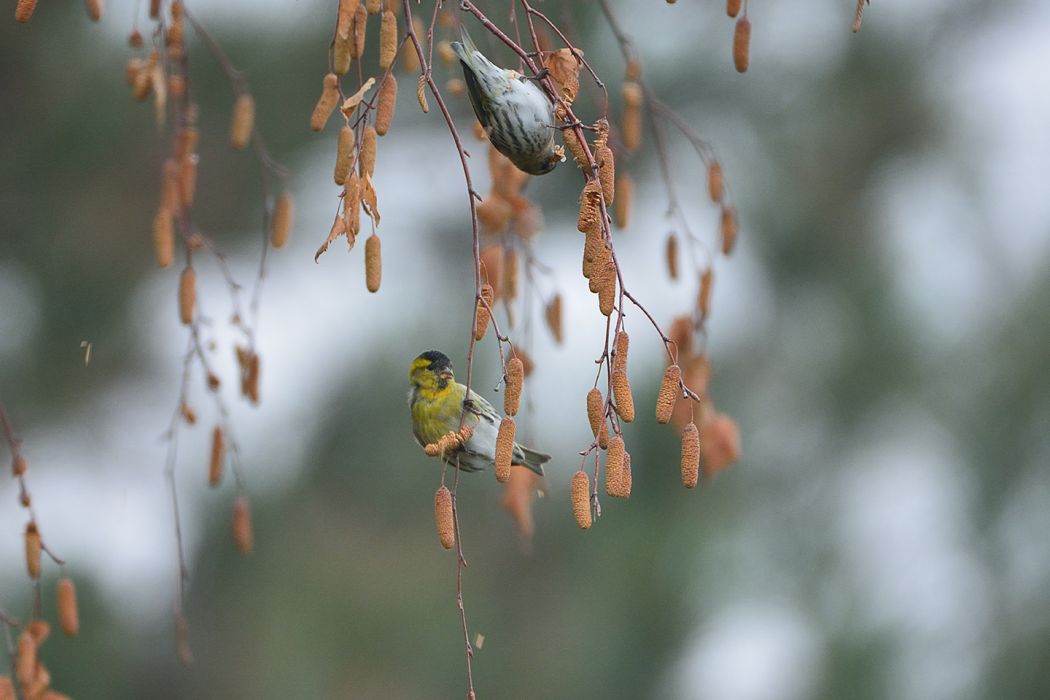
(445, 53)
(374, 6)
(68, 616)
(25, 664)
(690, 456)
(368, 152)
(33, 548)
(242, 525)
(243, 121)
(512, 393)
(19, 465)
(510, 274)
(344, 156)
(581, 499)
(387, 40)
(622, 395)
(163, 237)
(614, 466)
(620, 348)
(187, 295)
(552, 313)
(703, 297)
(218, 457)
(504, 449)
(668, 394)
(282, 219)
(409, 58)
(24, 10)
(606, 172)
(607, 288)
(715, 182)
(358, 31)
(326, 103)
(733, 7)
(624, 195)
(443, 517)
(595, 411)
(421, 95)
(94, 9)
(729, 230)
(341, 54)
(373, 263)
(672, 256)
(387, 104)
(742, 44)
(481, 317)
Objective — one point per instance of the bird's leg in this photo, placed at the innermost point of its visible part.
(543, 73)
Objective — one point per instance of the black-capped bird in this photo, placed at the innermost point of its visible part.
(436, 401)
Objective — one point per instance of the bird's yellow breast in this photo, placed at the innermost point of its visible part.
(436, 411)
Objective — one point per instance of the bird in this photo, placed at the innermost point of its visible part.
(435, 399)
(514, 111)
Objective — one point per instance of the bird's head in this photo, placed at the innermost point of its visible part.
(431, 371)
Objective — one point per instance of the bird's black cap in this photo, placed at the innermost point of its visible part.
(438, 360)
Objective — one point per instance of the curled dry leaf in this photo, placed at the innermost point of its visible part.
(338, 229)
(350, 103)
(564, 67)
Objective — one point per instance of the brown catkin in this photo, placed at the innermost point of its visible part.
(387, 104)
(728, 229)
(344, 157)
(242, 525)
(163, 237)
(33, 548)
(188, 179)
(510, 274)
(25, 664)
(715, 181)
(326, 103)
(445, 52)
(282, 219)
(243, 121)
(621, 345)
(742, 44)
(7, 689)
(594, 410)
(690, 455)
(606, 173)
(668, 394)
(703, 297)
(614, 466)
(68, 616)
(607, 288)
(733, 7)
(512, 394)
(358, 31)
(345, 17)
(373, 263)
(504, 448)
(672, 256)
(443, 515)
(19, 465)
(374, 6)
(187, 295)
(94, 9)
(624, 195)
(218, 456)
(481, 317)
(574, 146)
(552, 314)
(387, 40)
(341, 59)
(622, 395)
(603, 434)
(581, 499)
(154, 9)
(24, 10)
(368, 152)
(409, 57)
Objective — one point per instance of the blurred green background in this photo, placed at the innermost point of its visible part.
(880, 335)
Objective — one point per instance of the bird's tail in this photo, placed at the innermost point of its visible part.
(534, 460)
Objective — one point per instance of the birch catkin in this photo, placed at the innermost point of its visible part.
(344, 157)
(606, 172)
(624, 195)
(373, 263)
(218, 456)
(358, 32)
(742, 44)
(481, 317)
(243, 121)
(68, 615)
(94, 9)
(409, 57)
(33, 548)
(703, 297)
(715, 181)
(443, 518)
(187, 295)
(163, 237)
(614, 466)
(326, 103)
(387, 40)
(24, 10)
(733, 7)
(504, 449)
(552, 314)
(341, 54)
(368, 152)
(690, 456)
(621, 345)
(282, 219)
(729, 230)
(242, 525)
(594, 410)
(512, 393)
(672, 256)
(581, 503)
(622, 395)
(668, 393)
(387, 104)
(607, 288)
